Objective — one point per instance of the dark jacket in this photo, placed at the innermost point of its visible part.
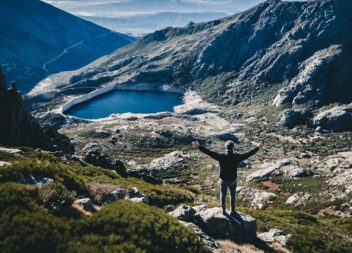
(228, 161)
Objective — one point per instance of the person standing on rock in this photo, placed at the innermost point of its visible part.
(228, 169)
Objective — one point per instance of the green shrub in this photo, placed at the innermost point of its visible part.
(309, 233)
(56, 198)
(32, 232)
(138, 227)
(26, 226)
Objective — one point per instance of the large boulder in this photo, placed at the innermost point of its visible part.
(268, 169)
(207, 240)
(173, 160)
(255, 198)
(298, 199)
(237, 227)
(293, 117)
(136, 196)
(286, 168)
(336, 119)
(274, 235)
(94, 157)
(184, 213)
(85, 203)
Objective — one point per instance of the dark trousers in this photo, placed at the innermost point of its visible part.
(223, 192)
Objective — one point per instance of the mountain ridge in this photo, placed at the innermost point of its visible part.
(30, 50)
(261, 52)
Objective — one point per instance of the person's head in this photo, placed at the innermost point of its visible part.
(229, 145)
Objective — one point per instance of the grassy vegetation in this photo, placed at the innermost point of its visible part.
(34, 219)
(40, 219)
(309, 233)
(26, 226)
(74, 177)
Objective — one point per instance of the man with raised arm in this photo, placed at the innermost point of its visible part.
(228, 169)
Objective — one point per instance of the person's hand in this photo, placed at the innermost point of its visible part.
(260, 144)
(195, 144)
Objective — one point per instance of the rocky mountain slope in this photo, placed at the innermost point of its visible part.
(19, 128)
(289, 54)
(38, 39)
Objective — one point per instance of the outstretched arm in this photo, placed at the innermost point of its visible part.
(206, 151)
(248, 154)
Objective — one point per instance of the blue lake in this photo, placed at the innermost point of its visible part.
(123, 101)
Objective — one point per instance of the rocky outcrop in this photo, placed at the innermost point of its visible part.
(255, 198)
(298, 199)
(237, 227)
(56, 120)
(313, 83)
(34, 179)
(94, 157)
(85, 203)
(336, 119)
(286, 168)
(207, 240)
(293, 117)
(274, 235)
(136, 196)
(173, 160)
(19, 128)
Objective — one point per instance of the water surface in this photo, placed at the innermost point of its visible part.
(123, 101)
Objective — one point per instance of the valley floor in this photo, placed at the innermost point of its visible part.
(298, 182)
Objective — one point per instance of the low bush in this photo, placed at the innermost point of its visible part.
(31, 220)
(26, 226)
(135, 228)
(309, 233)
(56, 198)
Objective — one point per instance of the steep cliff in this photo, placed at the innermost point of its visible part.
(19, 128)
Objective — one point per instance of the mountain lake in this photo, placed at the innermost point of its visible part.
(126, 101)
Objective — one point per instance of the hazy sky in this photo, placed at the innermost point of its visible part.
(131, 7)
(139, 17)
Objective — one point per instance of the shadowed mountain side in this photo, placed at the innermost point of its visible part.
(38, 39)
(19, 128)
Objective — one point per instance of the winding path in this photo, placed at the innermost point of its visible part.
(70, 47)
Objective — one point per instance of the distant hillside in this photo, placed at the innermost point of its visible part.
(287, 53)
(147, 23)
(38, 39)
(139, 17)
